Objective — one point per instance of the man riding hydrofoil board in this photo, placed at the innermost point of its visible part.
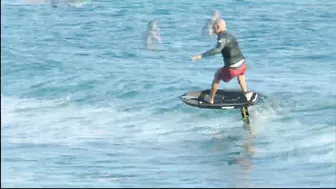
(234, 61)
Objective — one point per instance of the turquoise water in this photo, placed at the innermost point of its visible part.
(83, 104)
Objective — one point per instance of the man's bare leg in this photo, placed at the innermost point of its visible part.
(242, 83)
(214, 88)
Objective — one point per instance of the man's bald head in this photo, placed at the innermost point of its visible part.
(219, 25)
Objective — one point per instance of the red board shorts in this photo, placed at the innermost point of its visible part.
(226, 74)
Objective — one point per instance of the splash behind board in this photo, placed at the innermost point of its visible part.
(224, 99)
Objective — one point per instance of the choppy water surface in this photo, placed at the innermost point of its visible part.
(84, 105)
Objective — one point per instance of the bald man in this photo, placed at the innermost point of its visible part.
(234, 60)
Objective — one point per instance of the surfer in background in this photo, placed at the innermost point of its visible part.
(234, 60)
(208, 27)
(152, 33)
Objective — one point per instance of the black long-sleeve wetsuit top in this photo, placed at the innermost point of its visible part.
(227, 44)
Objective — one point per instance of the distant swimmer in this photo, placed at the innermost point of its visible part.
(152, 34)
(208, 27)
(234, 60)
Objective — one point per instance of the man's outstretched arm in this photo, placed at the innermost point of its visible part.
(219, 47)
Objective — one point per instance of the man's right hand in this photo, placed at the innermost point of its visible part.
(196, 57)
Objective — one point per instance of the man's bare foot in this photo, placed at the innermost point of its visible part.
(248, 95)
(208, 99)
(211, 100)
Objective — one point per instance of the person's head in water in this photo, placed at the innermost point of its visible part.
(215, 15)
(152, 25)
(219, 26)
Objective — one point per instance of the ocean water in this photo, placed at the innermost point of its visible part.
(83, 104)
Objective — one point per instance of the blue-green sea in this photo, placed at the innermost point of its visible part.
(84, 104)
